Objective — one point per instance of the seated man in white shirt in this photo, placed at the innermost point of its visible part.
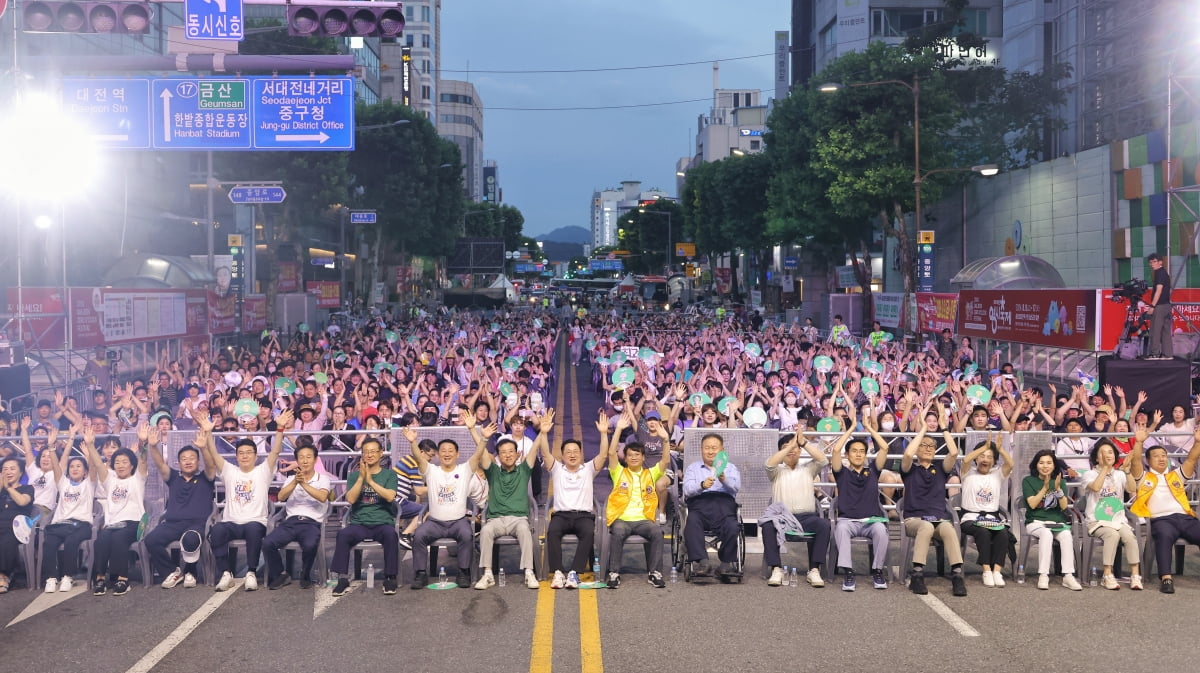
(574, 511)
(792, 487)
(449, 483)
(305, 499)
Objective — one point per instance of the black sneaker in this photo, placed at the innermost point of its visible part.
(916, 583)
(342, 586)
(279, 582)
(406, 541)
(702, 569)
(120, 587)
(306, 583)
(878, 578)
(389, 586)
(99, 587)
(1167, 586)
(463, 579)
(656, 580)
(420, 580)
(960, 587)
(848, 583)
(614, 580)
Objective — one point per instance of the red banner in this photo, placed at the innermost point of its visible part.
(87, 328)
(222, 313)
(110, 316)
(328, 292)
(289, 277)
(936, 311)
(46, 332)
(254, 313)
(1114, 314)
(1062, 318)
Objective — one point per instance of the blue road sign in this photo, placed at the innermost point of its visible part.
(213, 20)
(790, 262)
(251, 194)
(115, 111)
(304, 113)
(321, 261)
(362, 217)
(201, 114)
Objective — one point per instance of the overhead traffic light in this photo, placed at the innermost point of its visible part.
(345, 19)
(44, 16)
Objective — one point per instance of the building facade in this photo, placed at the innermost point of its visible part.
(422, 42)
(608, 205)
(460, 119)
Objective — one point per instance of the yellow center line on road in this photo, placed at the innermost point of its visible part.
(591, 652)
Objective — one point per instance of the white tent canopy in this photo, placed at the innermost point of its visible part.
(510, 291)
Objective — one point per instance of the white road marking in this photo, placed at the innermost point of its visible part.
(951, 617)
(181, 632)
(323, 597)
(46, 601)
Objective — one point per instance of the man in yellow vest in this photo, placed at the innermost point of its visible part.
(633, 501)
(1162, 499)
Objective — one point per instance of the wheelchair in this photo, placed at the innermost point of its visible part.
(679, 547)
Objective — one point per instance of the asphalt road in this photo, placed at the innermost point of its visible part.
(689, 627)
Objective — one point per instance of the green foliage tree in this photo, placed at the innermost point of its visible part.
(492, 220)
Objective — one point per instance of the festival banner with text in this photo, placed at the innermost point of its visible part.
(328, 293)
(1065, 318)
(936, 311)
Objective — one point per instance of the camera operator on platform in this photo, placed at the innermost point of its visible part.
(1161, 347)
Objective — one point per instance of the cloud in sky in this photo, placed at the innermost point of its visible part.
(551, 161)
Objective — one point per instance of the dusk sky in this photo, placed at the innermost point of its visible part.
(551, 161)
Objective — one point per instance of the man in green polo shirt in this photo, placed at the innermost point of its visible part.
(508, 501)
(372, 498)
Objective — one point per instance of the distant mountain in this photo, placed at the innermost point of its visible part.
(578, 235)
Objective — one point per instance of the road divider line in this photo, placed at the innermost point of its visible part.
(590, 650)
(541, 654)
(951, 617)
(185, 629)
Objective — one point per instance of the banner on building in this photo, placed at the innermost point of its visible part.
(1062, 317)
(936, 311)
(289, 277)
(327, 292)
(254, 313)
(889, 307)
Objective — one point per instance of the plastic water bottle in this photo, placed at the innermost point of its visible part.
(500, 578)
(1021, 574)
(596, 568)
(370, 575)
(1094, 578)
(794, 578)
(674, 575)
(442, 576)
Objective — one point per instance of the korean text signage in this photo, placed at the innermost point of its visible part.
(244, 113)
(936, 311)
(1113, 315)
(925, 261)
(328, 292)
(889, 306)
(1063, 318)
(289, 277)
(213, 19)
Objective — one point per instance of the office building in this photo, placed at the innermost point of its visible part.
(460, 119)
(609, 204)
(422, 43)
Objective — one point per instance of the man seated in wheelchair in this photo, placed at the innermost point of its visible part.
(709, 491)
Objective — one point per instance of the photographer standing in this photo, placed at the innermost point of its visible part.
(1161, 347)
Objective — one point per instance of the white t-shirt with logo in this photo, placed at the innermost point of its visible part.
(573, 490)
(1108, 513)
(983, 493)
(448, 491)
(74, 501)
(44, 491)
(246, 493)
(301, 503)
(125, 498)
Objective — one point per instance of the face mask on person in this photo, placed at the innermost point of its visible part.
(888, 426)
(618, 407)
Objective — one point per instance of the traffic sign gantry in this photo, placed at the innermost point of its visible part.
(244, 113)
(256, 194)
(213, 19)
(362, 217)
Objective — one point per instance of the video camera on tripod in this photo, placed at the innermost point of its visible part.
(1136, 321)
(1131, 290)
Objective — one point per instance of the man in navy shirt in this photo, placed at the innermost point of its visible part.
(857, 501)
(925, 506)
(190, 496)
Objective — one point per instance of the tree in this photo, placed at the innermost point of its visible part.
(492, 220)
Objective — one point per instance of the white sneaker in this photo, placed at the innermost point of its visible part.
(1043, 582)
(1071, 583)
(998, 578)
(814, 578)
(225, 581)
(559, 580)
(486, 582)
(776, 577)
(572, 580)
(987, 579)
(66, 583)
(173, 579)
(1110, 583)
(531, 580)
(251, 582)
(1135, 582)
(51, 585)
(662, 519)
(189, 581)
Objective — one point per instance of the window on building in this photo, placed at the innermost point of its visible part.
(974, 21)
(425, 13)
(409, 40)
(425, 42)
(828, 36)
(901, 21)
(425, 65)
(755, 145)
(408, 13)
(425, 92)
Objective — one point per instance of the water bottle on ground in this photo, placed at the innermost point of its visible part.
(442, 576)
(794, 578)
(1094, 578)
(596, 568)
(674, 575)
(500, 578)
(1021, 574)
(370, 575)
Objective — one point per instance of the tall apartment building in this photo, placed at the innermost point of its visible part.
(608, 205)
(422, 41)
(460, 119)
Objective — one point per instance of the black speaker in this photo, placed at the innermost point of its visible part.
(1166, 382)
(14, 381)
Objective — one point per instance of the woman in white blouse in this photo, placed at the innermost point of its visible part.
(984, 506)
(1180, 428)
(1106, 488)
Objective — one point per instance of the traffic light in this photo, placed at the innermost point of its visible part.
(86, 17)
(348, 19)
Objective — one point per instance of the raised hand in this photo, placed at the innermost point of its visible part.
(489, 429)
(546, 422)
(285, 420)
(143, 432)
(410, 434)
(602, 423)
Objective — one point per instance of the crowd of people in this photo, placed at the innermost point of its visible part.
(875, 418)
